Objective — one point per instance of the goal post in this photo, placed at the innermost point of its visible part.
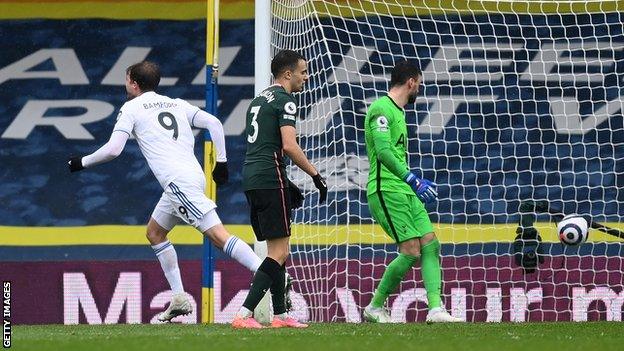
(521, 102)
(262, 79)
(212, 70)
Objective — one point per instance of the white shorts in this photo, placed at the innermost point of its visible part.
(185, 201)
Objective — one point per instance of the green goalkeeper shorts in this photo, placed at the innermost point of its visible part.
(401, 216)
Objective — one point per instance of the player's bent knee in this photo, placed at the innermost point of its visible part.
(278, 249)
(412, 252)
(279, 255)
(410, 247)
(157, 232)
(155, 237)
(210, 225)
(218, 235)
(427, 238)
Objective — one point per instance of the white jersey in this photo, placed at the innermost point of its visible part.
(162, 129)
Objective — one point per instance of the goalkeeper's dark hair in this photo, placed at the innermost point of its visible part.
(403, 71)
(146, 74)
(285, 60)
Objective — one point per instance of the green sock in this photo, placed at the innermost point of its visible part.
(392, 277)
(431, 272)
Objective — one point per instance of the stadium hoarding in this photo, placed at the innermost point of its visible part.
(111, 292)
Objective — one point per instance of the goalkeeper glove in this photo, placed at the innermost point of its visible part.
(321, 185)
(220, 173)
(296, 197)
(75, 164)
(424, 189)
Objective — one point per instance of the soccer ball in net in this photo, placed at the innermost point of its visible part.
(573, 230)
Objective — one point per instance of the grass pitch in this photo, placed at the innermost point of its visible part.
(324, 337)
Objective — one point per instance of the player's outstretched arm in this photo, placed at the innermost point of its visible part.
(107, 152)
(204, 120)
(293, 150)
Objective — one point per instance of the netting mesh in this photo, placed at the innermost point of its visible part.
(521, 102)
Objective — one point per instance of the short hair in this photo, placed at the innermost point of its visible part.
(285, 60)
(146, 74)
(403, 71)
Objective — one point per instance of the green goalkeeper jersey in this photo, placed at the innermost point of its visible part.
(386, 145)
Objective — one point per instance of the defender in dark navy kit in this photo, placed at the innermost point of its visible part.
(271, 135)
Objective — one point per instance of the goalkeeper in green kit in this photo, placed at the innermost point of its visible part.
(396, 196)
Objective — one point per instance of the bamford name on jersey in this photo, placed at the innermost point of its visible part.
(160, 104)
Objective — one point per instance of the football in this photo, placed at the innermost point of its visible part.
(573, 230)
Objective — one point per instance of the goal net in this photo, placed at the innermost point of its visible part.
(520, 105)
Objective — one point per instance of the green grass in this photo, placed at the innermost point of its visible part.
(323, 337)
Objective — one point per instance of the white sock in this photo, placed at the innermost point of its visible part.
(169, 262)
(241, 252)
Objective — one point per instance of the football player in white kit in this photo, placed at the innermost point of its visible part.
(162, 128)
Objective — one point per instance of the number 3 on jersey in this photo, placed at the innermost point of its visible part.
(254, 124)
